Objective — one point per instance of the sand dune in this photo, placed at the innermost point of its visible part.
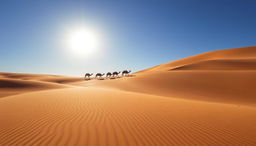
(14, 83)
(94, 116)
(207, 99)
(20, 84)
(221, 86)
(237, 53)
(41, 77)
(24, 76)
(234, 64)
(62, 80)
(228, 80)
(14, 86)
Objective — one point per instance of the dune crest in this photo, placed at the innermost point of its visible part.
(17, 83)
(228, 64)
(226, 54)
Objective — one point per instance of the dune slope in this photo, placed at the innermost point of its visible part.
(215, 86)
(221, 76)
(225, 54)
(230, 64)
(16, 86)
(17, 83)
(94, 116)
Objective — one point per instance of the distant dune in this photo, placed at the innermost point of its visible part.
(207, 99)
(26, 84)
(16, 83)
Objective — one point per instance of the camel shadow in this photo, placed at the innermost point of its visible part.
(112, 78)
(100, 79)
(129, 76)
(87, 79)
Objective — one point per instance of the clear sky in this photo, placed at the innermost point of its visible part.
(136, 34)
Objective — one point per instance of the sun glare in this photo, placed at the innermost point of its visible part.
(83, 42)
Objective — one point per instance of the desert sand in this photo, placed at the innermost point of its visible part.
(206, 99)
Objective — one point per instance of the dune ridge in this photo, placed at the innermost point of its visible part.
(229, 64)
(236, 53)
(18, 83)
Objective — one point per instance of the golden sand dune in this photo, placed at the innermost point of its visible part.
(230, 79)
(207, 99)
(17, 86)
(26, 84)
(95, 116)
(237, 53)
(229, 64)
(24, 76)
(219, 86)
(62, 80)
(16, 83)
(41, 77)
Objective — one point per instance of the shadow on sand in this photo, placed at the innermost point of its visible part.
(130, 76)
(101, 79)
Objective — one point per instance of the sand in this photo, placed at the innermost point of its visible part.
(205, 100)
(17, 83)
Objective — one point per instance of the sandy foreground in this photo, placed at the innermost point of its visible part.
(207, 99)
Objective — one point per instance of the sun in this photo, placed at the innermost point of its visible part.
(83, 42)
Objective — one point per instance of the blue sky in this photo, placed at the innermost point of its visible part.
(137, 33)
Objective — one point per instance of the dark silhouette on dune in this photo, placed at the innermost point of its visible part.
(125, 72)
(109, 74)
(88, 75)
(99, 75)
(115, 73)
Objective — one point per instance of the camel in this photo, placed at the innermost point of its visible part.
(125, 72)
(99, 75)
(109, 74)
(87, 75)
(115, 73)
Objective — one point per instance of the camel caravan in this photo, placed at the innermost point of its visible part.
(108, 75)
